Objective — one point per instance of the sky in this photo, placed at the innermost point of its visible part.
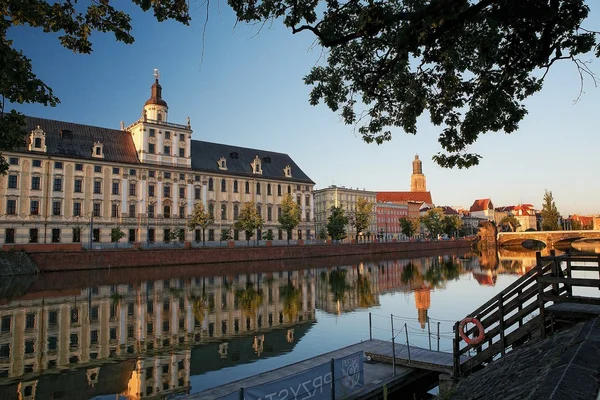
(244, 86)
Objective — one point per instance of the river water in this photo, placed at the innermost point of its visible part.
(161, 332)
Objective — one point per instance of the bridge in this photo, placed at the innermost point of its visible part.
(549, 238)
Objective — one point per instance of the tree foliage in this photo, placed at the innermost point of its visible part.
(434, 221)
(74, 24)
(116, 234)
(452, 223)
(361, 217)
(407, 227)
(290, 214)
(509, 222)
(471, 64)
(336, 223)
(200, 218)
(549, 213)
(249, 220)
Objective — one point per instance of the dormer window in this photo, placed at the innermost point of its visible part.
(37, 140)
(256, 166)
(98, 150)
(222, 164)
(234, 155)
(287, 171)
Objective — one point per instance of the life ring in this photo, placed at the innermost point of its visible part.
(461, 330)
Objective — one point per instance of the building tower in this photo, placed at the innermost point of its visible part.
(423, 302)
(417, 179)
(156, 108)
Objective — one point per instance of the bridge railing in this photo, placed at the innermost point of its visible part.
(513, 314)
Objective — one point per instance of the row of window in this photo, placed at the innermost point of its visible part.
(166, 150)
(34, 209)
(152, 133)
(78, 166)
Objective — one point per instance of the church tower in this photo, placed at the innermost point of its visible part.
(417, 179)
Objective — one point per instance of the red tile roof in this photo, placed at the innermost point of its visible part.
(398, 197)
(447, 210)
(481, 205)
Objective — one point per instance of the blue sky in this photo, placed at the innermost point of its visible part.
(247, 90)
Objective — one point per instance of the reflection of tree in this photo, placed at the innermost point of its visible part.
(199, 308)
(292, 300)
(337, 281)
(366, 298)
(408, 273)
(436, 275)
(250, 299)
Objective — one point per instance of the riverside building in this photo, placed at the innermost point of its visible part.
(74, 183)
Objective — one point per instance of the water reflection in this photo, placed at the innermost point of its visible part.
(146, 339)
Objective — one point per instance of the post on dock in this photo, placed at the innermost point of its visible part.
(393, 345)
(370, 328)
(242, 393)
(332, 379)
(438, 335)
(429, 332)
(407, 343)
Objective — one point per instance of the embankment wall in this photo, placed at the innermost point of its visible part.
(104, 259)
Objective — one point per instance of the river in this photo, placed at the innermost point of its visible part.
(155, 333)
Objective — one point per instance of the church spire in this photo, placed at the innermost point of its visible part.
(417, 179)
(156, 92)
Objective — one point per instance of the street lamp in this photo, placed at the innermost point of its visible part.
(90, 214)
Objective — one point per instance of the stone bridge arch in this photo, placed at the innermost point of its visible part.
(549, 238)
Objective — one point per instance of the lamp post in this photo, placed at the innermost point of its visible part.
(91, 216)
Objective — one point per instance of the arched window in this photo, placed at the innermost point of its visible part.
(223, 185)
(257, 187)
(268, 189)
(289, 189)
(211, 184)
(247, 187)
(167, 212)
(236, 211)
(159, 116)
(235, 186)
(278, 190)
(211, 210)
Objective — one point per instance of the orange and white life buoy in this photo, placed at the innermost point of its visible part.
(472, 341)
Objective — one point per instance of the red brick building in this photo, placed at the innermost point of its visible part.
(388, 219)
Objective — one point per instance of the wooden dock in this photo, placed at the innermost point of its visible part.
(376, 373)
(415, 357)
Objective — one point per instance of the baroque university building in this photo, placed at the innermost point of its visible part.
(73, 183)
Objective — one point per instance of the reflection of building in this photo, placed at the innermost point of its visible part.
(423, 302)
(147, 177)
(160, 320)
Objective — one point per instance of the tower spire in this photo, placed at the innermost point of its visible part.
(156, 91)
(417, 179)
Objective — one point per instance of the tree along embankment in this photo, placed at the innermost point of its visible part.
(129, 258)
(16, 263)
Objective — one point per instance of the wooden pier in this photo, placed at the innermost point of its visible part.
(415, 357)
(377, 374)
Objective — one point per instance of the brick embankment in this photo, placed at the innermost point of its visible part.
(63, 280)
(563, 366)
(104, 259)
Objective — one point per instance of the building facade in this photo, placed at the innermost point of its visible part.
(74, 183)
(388, 220)
(336, 196)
